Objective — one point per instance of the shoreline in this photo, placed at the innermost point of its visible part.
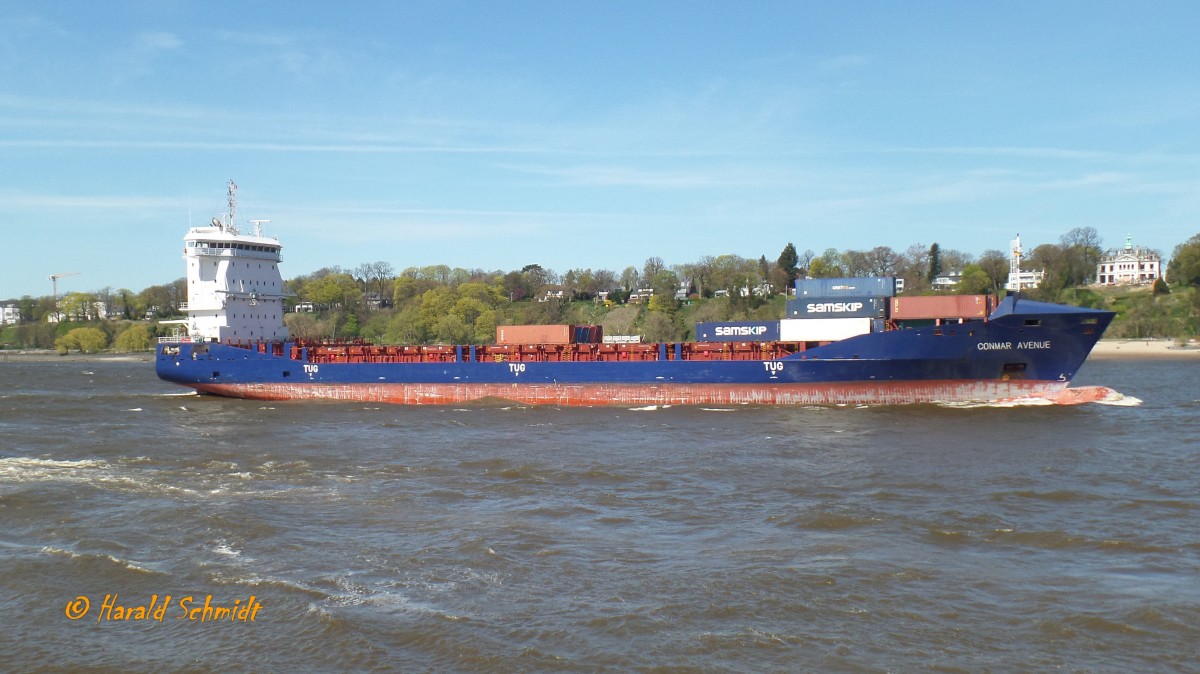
(27, 355)
(1111, 349)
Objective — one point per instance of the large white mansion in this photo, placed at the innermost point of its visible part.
(1128, 266)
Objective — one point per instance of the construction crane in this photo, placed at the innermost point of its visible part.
(54, 279)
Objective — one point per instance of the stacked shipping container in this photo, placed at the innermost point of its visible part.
(828, 310)
(831, 309)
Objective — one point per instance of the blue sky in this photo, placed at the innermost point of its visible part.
(586, 134)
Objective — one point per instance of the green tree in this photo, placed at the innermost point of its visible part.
(789, 261)
(334, 290)
(85, 340)
(485, 327)
(1184, 269)
(350, 326)
(662, 303)
(134, 338)
(996, 265)
(301, 326)
(658, 327)
(974, 281)
(935, 262)
(451, 329)
(468, 309)
(435, 304)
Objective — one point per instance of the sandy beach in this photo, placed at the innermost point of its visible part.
(1145, 348)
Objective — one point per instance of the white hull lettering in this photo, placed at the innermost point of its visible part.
(994, 346)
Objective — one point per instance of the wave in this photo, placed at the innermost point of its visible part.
(1099, 395)
(99, 556)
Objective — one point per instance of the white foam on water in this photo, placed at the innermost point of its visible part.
(998, 404)
(71, 554)
(1117, 399)
(224, 548)
(21, 469)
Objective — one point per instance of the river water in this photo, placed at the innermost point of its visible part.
(343, 537)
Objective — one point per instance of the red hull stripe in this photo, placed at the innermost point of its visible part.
(893, 393)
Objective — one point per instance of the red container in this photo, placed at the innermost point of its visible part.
(549, 334)
(939, 306)
(533, 334)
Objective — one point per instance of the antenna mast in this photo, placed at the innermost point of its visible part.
(232, 224)
(1014, 268)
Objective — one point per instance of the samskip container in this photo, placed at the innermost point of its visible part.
(837, 307)
(858, 286)
(738, 331)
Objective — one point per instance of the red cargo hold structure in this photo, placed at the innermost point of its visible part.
(939, 306)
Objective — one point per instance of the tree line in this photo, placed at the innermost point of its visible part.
(439, 303)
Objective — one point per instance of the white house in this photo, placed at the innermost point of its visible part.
(1128, 266)
(947, 280)
(10, 314)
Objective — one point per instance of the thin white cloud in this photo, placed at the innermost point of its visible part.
(12, 201)
(1001, 151)
(303, 57)
(844, 62)
(156, 41)
(609, 176)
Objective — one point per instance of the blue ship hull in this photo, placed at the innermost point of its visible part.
(1024, 348)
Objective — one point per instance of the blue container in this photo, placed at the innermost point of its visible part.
(587, 334)
(738, 331)
(858, 286)
(840, 306)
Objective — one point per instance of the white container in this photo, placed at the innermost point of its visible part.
(822, 329)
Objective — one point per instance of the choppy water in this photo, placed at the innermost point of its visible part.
(502, 539)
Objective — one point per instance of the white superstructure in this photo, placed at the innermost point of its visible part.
(235, 290)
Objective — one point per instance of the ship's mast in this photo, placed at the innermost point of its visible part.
(1014, 268)
(231, 226)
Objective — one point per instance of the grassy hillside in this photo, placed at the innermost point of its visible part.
(1142, 314)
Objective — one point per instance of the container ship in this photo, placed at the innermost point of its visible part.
(843, 341)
